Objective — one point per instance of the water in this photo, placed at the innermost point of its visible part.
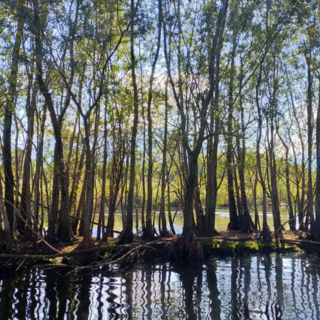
(221, 222)
(253, 287)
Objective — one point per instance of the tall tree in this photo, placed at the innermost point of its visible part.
(8, 111)
(127, 235)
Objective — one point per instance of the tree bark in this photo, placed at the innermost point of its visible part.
(26, 194)
(127, 235)
(310, 216)
(318, 171)
(265, 229)
(292, 222)
(7, 123)
(66, 231)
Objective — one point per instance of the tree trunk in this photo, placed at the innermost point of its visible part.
(4, 216)
(59, 159)
(246, 223)
(164, 232)
(292, 222)
(38, 173)
(310, 215)
(90, 170)
(7, 123)
(25, 194)
(127, 235)
(104, 175)
(274, 186)
(265, 229)
(189, 196)
(234, 218)
(81, 207)
(318, 171)
(273, 166)
(212, 179)
(147, 233)
(169, 209)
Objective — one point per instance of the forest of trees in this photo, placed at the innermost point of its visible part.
(148, 105)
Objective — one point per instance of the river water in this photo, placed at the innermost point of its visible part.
(221, 221)
(252, 287)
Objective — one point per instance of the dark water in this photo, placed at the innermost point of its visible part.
(255, 287)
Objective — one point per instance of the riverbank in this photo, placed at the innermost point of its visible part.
(103, 254)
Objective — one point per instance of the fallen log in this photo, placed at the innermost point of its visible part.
(64, 254)
(300, 241)
(227, 239)
(111, 247)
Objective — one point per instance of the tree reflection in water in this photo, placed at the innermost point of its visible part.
(254, 287)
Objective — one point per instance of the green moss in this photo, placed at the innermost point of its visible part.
(219, 247)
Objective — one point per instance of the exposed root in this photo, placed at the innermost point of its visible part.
(148, 236)
(65, 239)
(185, 248)
(233, 226)
(88, 257)
(247, 230)
(165, 234)
(266, 234)
(125, 238)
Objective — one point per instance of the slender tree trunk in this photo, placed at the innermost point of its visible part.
(310, 215)
(199, 210)
(189, 196)
(274, 186)
(26, 194)
(53, 211)
(80, 209)
(115, 182)
(265, 229)
(148, 234)
(104, 176)
(273, 165)
(212, 159)
(292, 222)
(237, 192)
(127, 235)
(212, 180)
(66, 231)
(7, 123)
(143, 206)
(76, 176)
(247, 224)
(4, 216)
(38, 173)
(89, 184)
(90, 170)
(18, 168)
(164, 232)
(256, 215)
(318, 171)
(234, 218)
(169, 209)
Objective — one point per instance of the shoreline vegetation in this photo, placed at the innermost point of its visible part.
(102, 254)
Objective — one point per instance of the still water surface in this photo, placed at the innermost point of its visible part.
(221, 221)
(253, 287)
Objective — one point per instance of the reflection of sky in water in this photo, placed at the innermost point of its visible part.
(255, 287)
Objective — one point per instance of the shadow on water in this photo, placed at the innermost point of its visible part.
(256, 287)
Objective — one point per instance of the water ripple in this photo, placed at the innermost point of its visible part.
(255, 287)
